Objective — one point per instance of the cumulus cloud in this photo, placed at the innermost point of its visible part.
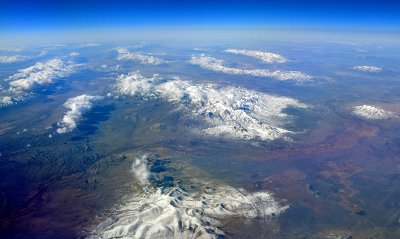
(125, 54)
(267, 57)
(22, 84)
(232, 112)
(373, 69)
(173, 212)
(6, 101)
(42, 73)
(371, 112)
(140, 170)
(214, 64)
(76, 106)
(135, 83)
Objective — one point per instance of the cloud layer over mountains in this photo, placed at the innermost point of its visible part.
(23, 83)
(174, 212)
(266, 57)
(125, 55)
(232, 112)
(372, 112)
(211, 63)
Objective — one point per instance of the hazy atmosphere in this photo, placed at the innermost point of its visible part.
(201, 119)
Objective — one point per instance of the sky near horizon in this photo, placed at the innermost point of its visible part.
(17, 16)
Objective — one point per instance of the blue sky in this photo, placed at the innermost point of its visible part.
(17, 14)
(44, 17)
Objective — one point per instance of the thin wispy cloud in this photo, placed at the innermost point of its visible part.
(77, 106)
(211, 63)
(372, 69)
(12, 59)
(87, 45)
(10, 48)
(20, 58)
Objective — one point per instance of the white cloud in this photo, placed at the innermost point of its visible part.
(41, 73)
(232, 112)
(74, 54)
(373, 69)
(12, 59)
(43, 53)
(77, 106)
(19, 58)
(267, 57)
(214, 64)
(22, 84)
(162, 212)
(372, 112)
(90, 45)
(135, 83)
(124, 54)
(140, 170)
(6, 101)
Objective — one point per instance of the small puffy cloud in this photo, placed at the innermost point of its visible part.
(372, 112)
(267, 57)
(217, 65)
(231, 112)
(125, 54)
(41, 73)
(6, 101)
(76, 106)
(12, 59)
(373, 69)
(140, 169)
(74, 54)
